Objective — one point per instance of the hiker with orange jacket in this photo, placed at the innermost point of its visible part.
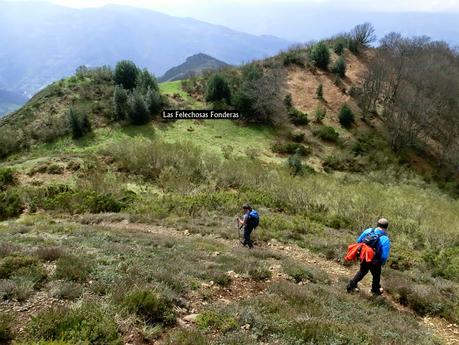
(372, 248)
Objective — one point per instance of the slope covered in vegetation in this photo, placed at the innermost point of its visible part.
(127, 234)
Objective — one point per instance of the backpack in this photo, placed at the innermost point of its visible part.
(372, 239)
(253, 219)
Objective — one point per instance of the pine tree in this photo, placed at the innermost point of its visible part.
(346, 116)
(138, 112)
(153, 101)
(320, 91)
(339, 67)
(320, 55)
(125, 74)
(79, 123)
(120, 103)
(218, 89)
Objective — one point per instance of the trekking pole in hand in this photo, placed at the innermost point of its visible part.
(239, 227)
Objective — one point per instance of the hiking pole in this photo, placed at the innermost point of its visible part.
(239, 230)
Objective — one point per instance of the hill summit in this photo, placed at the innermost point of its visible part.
(193, 66)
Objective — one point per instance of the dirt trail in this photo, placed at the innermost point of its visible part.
(448, 332)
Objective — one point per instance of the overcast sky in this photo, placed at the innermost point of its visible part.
(302, 20)
(180, 6)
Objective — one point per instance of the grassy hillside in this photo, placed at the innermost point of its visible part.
(127, 235)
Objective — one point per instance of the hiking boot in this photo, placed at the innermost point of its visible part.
(377, 293)
(352, 289)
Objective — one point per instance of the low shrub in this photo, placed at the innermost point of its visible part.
(88, 324)
(320, 114)
(10, 204)
(7, 178)
(150, 306)
(422, 298)
(297, 137)
(216, 320)
(290, 148)
(11, 264)
(301, 273)
(73, 268)
(220, 278)
(294, 57)
(297, 117)
(49, 253)
(186, 336)
(260, 273)
(327, 133)
(6, 328)
(55, 169)
(68, 291)
(342, 163)
(346, 116)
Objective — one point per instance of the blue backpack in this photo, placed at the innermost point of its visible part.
(253, 219)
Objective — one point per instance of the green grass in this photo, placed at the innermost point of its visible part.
(175, 87)
(139, 278)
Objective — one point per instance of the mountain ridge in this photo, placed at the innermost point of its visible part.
(193, 66)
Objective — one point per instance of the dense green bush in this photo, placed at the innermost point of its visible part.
(150, 306)
(120, 103)
(320, 55)
(218, 89)
(146, 82)
(339, 67)
(294, 57)
(346, 116)
(298, 117)
(7, 178)
(216, 320)
(153, 101)
(125, 74)
(338, 48)
(138, 112)
(88, 324)
(78, 122)
(297, 137)
(10, 204)
(327, 133)
(73, 268)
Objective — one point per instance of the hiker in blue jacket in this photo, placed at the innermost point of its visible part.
(249, 221)
(382, 249)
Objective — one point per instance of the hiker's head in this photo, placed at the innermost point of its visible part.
(382, 223)
(247, 207)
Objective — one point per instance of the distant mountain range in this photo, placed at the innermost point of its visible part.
(193, 66)
(10, 101)
(42, 42)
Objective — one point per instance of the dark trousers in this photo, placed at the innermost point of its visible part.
(375, 269)
(247, 240)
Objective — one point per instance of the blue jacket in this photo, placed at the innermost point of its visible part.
(383, 249)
